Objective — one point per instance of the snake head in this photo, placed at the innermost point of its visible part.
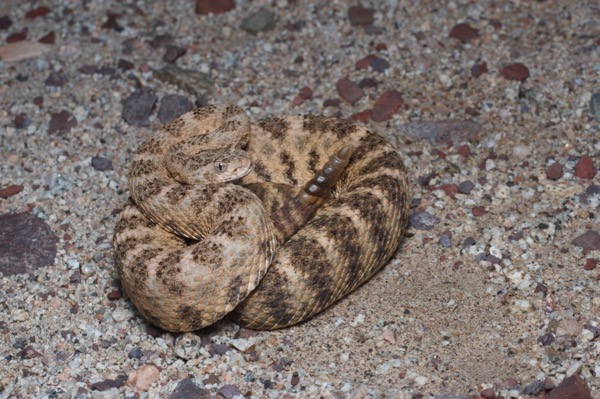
(209, 166)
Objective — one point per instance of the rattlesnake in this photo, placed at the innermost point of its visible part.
(216, 225)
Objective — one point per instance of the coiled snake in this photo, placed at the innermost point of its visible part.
(228, 217)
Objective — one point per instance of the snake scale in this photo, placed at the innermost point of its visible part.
(270, 222)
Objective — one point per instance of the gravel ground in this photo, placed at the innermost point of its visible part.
(495, 107)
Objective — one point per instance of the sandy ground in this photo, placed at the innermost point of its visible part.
(494, 285)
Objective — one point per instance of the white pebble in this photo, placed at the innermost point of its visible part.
(421, 380)
(20, 315)
(73, 264)
(521, 150)
(241, 344)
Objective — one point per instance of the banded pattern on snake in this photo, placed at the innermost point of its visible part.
(232, 218)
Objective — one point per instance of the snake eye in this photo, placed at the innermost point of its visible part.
(220, 167)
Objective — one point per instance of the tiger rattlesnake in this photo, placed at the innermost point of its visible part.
(217, 225)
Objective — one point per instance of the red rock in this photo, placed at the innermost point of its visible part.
(590, 264)
(216, 7)
(488, 393)
(115, 294)
(590, 240)
(361, 16)
(464, 150)
(515, 71)
(37, 12)
(362, 116)
(365, 62)
(584, 168)
(450, 189)
(61, 122)
(479, 69)
(16, 37)
(572, 387)
(48, 38)
(554, 171)
(28, 353)
(331, 102)
(386, 106)
(464, 32)
(496, 24)
(349, 90)
(10, 191)
(478, 211)
(305, 93)
(381, 46)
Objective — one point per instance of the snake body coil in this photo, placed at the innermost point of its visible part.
(271, 222)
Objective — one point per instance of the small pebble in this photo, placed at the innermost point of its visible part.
(466, 187)
(138, 107)
(11, 190)
(55, 79)
(379, 64)
(173, 106)
(61, 122)
(515, 71)
(349, 90)
(464, 32)
(204, 7)
(173, 53)
(101, 164)
(423, 220)
(260, 21)
(143, 377)
(590, 240)
(386, 106)
(584, 168)
(554, 171)
(595, 106)
(229, 391)
(187, 389)
(361, 16)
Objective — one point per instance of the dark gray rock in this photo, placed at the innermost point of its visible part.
(28, 243)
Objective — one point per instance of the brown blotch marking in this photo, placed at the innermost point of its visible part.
(342, 229)
(261, 170)
(149, 189)
(308, 251)
(314, 161)
(286, 159)
(368, 144)
(343, 128)
(141, 167)
(276, 126)
(275, 285)
(234, 227)
(133, 222)
(201, 113)
(234, 290)
(190, 315)
(177, 193)
(167, 271)
(318, 123)
(208, 254)
(389, 160)
(371, 212)
(138, 268)
(175, 127)
(151, 146)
